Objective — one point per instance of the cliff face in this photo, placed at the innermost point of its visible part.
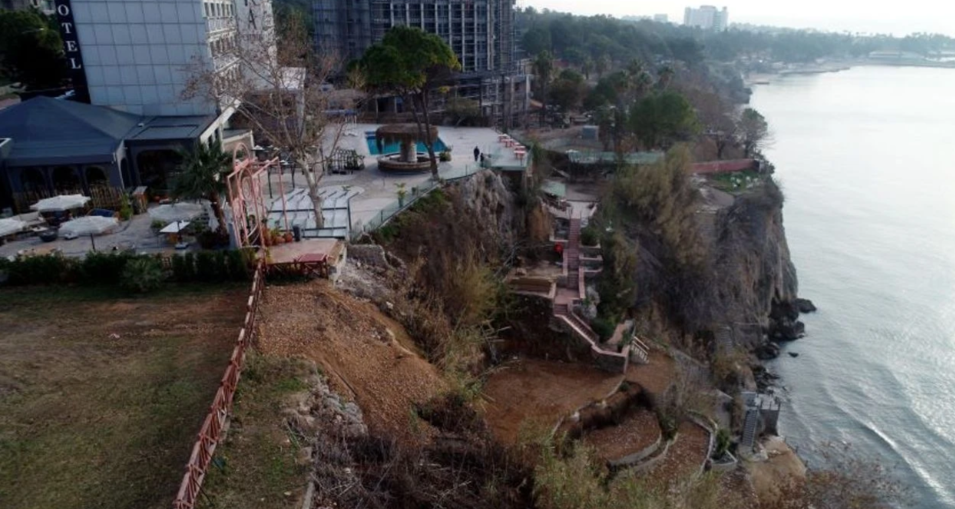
(753, 275)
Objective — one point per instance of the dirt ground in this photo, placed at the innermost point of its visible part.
(781, 466)
(540, 392)
(365, 355)
(656, 376)
(101, 395)
(684, 457)
(637, 431)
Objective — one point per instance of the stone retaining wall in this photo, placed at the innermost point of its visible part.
(632, 459)
(369, 254)
(654, 461)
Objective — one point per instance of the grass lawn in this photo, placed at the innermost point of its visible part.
(255, 467)
(736, 181)
(101, 395)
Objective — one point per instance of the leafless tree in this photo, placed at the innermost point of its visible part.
(276, 82)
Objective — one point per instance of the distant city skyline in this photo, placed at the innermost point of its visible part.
(846, 15)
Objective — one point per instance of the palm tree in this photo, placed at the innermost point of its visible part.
(202, 175)
(635, 68)
(602, 65)
(665, 74)
(642, 83)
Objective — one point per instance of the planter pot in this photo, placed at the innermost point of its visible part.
(288, 237)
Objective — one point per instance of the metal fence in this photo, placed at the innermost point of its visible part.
(221, 410)
(414, 194)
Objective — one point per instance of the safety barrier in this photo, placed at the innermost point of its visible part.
(217, 421)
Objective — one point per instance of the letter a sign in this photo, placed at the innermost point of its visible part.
(71, 49)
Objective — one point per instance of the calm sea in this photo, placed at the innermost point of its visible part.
(867, 163)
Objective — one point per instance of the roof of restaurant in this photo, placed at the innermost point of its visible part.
(51, 131)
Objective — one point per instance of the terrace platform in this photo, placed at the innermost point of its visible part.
(308, 258)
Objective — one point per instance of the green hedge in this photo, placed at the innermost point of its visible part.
(111, 269)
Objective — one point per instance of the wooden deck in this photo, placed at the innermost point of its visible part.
(309, 258)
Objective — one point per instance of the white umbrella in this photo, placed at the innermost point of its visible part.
(175, 227)
(184, 211)
(10, 226)
(60, 203)
(89, 225)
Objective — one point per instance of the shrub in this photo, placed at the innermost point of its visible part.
(220, 267)
(209, 239)
(189, 261)
(589, 236)
(604, 327)
(183, 268)
(205, 266)
(668, 424)
(723, 441)
(103, 268)
(126, 209)
(142, 275)
(41, 270)
(238, 267)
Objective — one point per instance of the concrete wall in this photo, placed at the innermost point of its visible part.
(633, 459)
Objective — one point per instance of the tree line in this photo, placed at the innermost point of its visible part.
(595, 41)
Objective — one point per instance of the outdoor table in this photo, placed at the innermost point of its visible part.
(502, 137)
(520, 156)
(313, 264)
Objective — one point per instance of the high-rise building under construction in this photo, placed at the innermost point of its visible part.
(480, 32)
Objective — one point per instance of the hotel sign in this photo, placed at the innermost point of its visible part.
(71, 49)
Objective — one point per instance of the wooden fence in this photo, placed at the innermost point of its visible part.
(213, 427)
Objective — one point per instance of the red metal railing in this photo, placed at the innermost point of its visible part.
(218, 418)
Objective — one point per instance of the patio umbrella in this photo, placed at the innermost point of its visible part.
(176, 227)
(183, 211)
(60, 203)
(10, 226)
(89, 225)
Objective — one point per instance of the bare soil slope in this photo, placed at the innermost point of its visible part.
(365, 355)
(540, 392)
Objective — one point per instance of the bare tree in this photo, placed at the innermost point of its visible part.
(275, 81)
(753, 131)
(716, 115)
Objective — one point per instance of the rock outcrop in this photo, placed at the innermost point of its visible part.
(754, 279)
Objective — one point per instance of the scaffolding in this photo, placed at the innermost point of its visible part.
(480, 32)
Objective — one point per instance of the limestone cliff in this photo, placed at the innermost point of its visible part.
(753, 275)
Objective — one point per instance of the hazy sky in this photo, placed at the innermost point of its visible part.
(899, 18)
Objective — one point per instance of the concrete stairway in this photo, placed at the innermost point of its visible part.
(639, 351)
(573, 249)
(749, 429)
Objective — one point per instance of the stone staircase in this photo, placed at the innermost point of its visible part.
(583, 330)
(611, 357)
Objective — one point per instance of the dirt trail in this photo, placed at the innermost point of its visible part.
(656, 376)
(364, 353)
(540, 392)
